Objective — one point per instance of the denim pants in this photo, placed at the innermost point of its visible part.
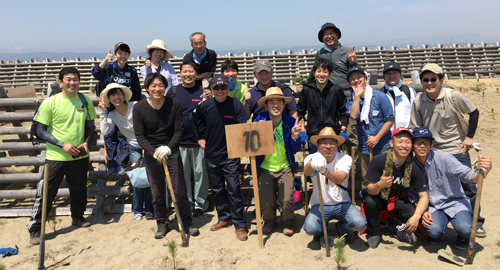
(350, 219)
(193, 160)
(141, 195)
(462, 223)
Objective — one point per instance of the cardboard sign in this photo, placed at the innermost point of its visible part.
(250, 139)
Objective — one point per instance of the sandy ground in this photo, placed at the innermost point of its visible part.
(118, 242)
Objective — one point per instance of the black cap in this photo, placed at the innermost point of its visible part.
(218, 79)
(327, 26)
(392, 66)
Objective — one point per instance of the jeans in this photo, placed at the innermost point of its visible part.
(141, 195)
(193, 160)
(349, 217)
(470, 189)
(462, 223)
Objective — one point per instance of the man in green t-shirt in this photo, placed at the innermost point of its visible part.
(275, 171)
(67, 125)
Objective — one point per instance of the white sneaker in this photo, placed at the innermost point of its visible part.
(137, 217)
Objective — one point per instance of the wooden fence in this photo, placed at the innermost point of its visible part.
(471, 61)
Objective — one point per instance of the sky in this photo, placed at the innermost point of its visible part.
(96, 25)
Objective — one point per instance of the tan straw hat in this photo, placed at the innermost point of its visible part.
(127, 94)
(159, 44)
(327, 133)
(273, 92)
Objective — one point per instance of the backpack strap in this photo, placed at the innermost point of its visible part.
(173, 91)
(405, 89)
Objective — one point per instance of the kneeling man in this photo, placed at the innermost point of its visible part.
(447, 200)
(333, 168)
(396, 184)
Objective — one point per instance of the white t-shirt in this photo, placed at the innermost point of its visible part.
(331, 193)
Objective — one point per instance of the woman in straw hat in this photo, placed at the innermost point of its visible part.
(157, 62)
(116, 110)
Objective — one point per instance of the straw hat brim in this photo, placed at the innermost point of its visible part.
(340, 140)
(127, 93)
(166, 56)
(262, 101)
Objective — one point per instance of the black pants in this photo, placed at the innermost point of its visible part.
(224, 180)
(76, 176)
(156, 176)
(372, 205)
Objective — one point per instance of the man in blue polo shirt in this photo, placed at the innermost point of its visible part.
(374, 116)
(264, 74)
(210, 119)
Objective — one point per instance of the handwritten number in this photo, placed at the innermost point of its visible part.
(250, 141)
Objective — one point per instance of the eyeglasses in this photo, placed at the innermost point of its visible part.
(334, 143)
(222, 87)
(420, 142)
(426, 80)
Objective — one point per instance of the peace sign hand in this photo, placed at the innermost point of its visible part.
(352, 55)
(101, 104)
(297, 128)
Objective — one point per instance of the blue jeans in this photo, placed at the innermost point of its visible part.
(193, 160)
(462, 223)
(141, 195)
(349, 217)
(470, 189)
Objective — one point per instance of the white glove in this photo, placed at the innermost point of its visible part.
(318, 162)
(162, 152)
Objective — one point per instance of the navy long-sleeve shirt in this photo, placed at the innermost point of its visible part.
(125, 76)
(189, 99)
(210, 119)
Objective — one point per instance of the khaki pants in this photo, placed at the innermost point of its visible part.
(277, 186)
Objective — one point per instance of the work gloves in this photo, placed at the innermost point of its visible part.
(161, 153)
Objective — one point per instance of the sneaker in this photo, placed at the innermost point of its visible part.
(267, 228)
(373, 241)
(149, 216)
(241, 234)
(391, 224)
(120, 171)
(480, 231)
(112, 171)
(193, 231)
(162, 231)
(407, 237)
(198, 212)
(80, 222)
(289, 230)
(461, 243)
(35, 237)
(138, 217)
(316, 238)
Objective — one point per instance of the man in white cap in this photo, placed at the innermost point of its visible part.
(275, 171)
(439, 109)
(333, 168)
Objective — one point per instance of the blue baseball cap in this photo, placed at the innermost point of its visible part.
(355, 69)
(422, 132)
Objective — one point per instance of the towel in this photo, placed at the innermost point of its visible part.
(365, 111)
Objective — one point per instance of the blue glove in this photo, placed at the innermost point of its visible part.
(343, 134)
(231, 84)
(8, 251)
(303, 137)
(126, 145)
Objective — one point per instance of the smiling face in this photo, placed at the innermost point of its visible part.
(70, 84)
(275, 106)
(328, 148)
(220, 92)
(432, 84)
(392, 77)
(264, 78)
(422, 147)
(401, 144)
(157, 55)
(121, 57)
(330, 38)
(188, 75)
(116, 98)
(198, 44)
(357, 79)
(322, 75)
(156, 89)
(230, 73)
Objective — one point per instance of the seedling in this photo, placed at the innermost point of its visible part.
(2, 266)
(172, 250)
(483, 96)
(497, 242)
(54, 223)
(339, 244)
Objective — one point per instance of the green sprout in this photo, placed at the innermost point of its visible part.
(339, 243)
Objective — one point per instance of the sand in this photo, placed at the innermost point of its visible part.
(118, 242)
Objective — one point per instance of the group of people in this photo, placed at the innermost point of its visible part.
(182, 126)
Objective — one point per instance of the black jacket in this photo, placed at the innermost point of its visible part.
(207, 64)
(324, 108)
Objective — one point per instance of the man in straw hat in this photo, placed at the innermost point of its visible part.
(373, 113)
(451, 134)
(67, 126)
(333, 168)
(210, 119)
(157, 62)
(204, 59)
(448, 202)
(275, 171)
(396, 184)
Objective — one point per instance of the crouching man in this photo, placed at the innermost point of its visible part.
(333, 168)
(395, 183)
(447, 200)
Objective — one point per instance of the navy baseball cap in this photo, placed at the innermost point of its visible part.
(355, 69)
(218, 79)
(392, 66)
(422, 132)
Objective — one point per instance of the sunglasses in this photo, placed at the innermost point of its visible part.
(426, 80)
(222, 87)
